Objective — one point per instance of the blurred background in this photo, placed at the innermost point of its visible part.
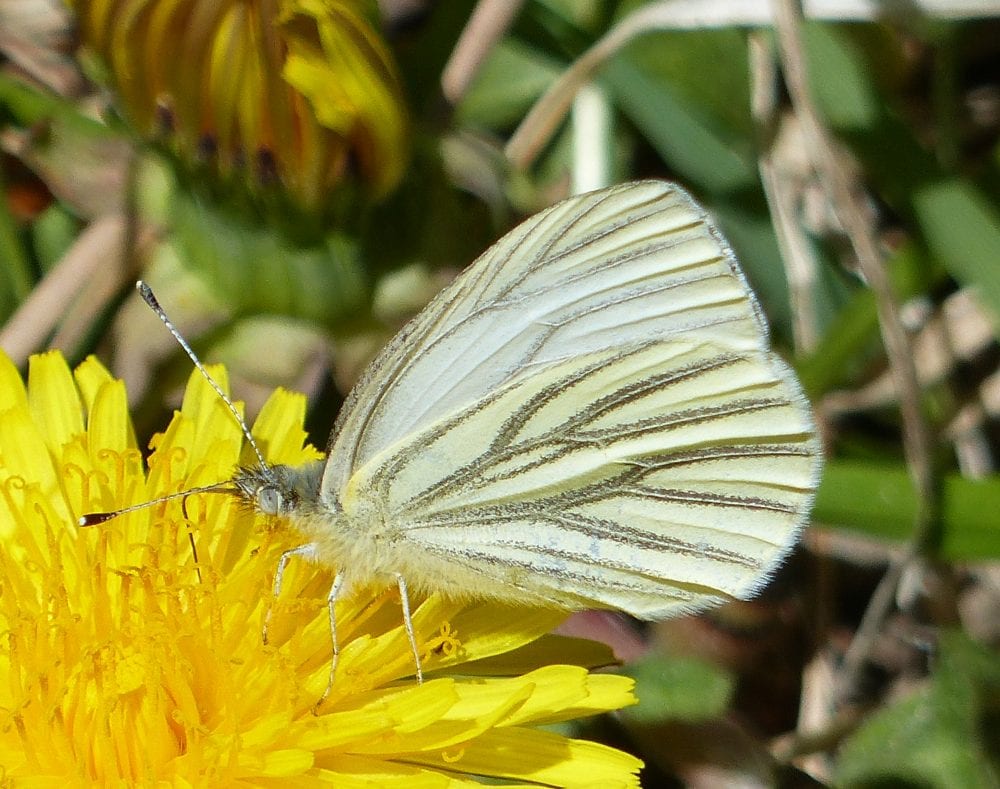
(296, 178)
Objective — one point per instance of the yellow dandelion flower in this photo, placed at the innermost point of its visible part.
(303, 92)
(124, 660)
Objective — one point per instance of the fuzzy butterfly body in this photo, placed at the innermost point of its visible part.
(589, 416)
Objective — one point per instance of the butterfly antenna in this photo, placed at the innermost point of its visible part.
(97, 518)
(147, 295)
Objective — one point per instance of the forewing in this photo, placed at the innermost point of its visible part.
(594, 273)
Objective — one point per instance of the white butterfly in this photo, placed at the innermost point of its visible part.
(589, 416)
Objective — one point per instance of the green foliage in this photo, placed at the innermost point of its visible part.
(880, 500)
(962, 230)
(261, 271)
(944, 736)
(679, 689)
(687, 128)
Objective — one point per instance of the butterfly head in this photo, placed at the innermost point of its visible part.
(278, 490)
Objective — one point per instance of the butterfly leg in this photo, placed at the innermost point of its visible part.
(331, 607)
(307, 551)
(404, 599)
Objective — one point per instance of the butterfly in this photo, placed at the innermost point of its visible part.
(589, 416)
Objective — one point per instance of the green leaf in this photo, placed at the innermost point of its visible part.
(15, 265)
(962, 228)
(54, 231)
(840, 82)
(29, 105)
(939, 737)
(880, 500)
(706, 70)
(683, 132)
(679, 688)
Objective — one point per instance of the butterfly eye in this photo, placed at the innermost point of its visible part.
(269, 500)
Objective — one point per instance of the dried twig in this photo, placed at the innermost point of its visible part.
(96, 253)
(917, 443)
(796, 253)
(548, 112)
(486, 26)
(693, 14)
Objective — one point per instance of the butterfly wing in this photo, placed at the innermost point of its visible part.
(589, 415)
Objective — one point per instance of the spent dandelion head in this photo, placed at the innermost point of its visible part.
(297, 94)
(121, 663)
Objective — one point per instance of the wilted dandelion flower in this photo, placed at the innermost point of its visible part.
(125, 661)
(302, 92)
